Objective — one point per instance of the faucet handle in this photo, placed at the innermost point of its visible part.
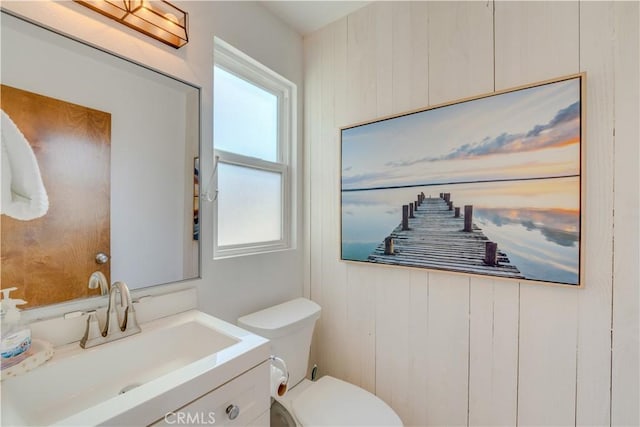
(92, 332)
(112, 324)
(130, 322)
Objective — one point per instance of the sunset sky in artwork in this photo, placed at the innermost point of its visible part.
(525, 134)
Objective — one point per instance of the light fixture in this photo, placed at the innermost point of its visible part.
(156, 18)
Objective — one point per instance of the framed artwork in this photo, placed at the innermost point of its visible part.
(196, 198)
(490, 185)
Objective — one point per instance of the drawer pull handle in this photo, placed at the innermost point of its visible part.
(233, 411)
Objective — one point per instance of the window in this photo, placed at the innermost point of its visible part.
(254, 144)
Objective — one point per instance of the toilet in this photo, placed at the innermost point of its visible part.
(325, 402)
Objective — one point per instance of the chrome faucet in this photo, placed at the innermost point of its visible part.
(97, 279)
(114, 328)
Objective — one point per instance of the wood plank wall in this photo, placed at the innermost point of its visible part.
(447, 349)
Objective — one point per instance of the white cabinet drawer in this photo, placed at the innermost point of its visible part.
(246, 396)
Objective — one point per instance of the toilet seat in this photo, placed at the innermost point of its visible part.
(332, 402)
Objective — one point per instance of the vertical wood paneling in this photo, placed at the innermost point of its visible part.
(419, 61)
(594, 301)
(460, 33)
(536, 41)
(334, 272)
(626, 295)
(361, 327)
(313, 151)
(418, 348)
(382, 37)
(493, 349)
(448, 343)
(341, 71)
(410, 65)
(392, 338)
(339, 278)
(455, 350)
(402, 53)
(505, 353)
(547, 361)
(481, 361)
(362, 68)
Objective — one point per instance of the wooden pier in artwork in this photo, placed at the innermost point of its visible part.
(434, 234)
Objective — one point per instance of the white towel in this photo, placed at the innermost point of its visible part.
(23, 194)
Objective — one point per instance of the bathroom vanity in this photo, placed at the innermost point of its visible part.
(189, 368)
(239, 402)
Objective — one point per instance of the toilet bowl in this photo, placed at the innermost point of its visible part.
(325, 402)
(331, 402)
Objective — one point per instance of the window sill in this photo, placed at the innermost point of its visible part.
(250, 251)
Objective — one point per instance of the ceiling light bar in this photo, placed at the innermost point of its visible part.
(158, 19)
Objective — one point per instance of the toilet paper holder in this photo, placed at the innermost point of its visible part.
(282, 363)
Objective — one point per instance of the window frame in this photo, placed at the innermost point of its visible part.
(242, 66)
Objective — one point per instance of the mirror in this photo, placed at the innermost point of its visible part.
(117, 146)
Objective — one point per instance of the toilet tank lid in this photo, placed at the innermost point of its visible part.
(282, 318)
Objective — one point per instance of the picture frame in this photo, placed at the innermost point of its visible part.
(491, 185)
(196, 198)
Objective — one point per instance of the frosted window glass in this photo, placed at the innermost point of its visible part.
(249, 205)
(245, 117)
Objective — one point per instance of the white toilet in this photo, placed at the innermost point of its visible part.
(326, 402)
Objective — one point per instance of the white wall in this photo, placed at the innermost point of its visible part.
(454, 350)
(231, 287)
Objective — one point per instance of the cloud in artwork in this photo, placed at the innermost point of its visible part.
(566, 115)
(563, 129)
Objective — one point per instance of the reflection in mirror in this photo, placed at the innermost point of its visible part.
(115, 146)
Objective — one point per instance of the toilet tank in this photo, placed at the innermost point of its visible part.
(289, 327)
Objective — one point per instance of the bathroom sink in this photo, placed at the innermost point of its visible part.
(175, 359)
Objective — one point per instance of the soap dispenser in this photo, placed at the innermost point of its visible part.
(16, 337)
